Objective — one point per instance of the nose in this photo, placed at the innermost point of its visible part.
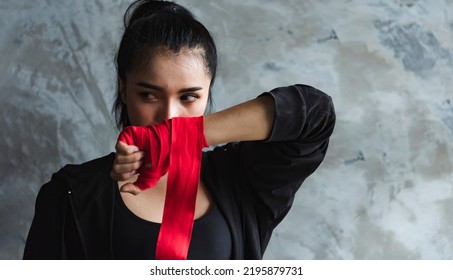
(169, 110)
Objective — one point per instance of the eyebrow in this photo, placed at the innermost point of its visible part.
(157, 88)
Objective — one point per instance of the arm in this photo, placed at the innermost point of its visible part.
(256, 181)
(43, 240)
(248, 121)
(303, 114)
(304, 121)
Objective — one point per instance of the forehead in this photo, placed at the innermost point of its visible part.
(162, 60)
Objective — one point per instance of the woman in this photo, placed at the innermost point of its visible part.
(166, 66)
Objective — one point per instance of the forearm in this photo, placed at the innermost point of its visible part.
(248, 121)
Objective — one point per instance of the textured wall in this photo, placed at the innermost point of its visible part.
(385, 190)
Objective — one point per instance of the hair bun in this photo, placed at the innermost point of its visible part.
(145, 8)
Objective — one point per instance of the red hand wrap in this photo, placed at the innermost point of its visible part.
(155, 142)
(174, 145)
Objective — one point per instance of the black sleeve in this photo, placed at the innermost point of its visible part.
(274, 169)
(45, 235)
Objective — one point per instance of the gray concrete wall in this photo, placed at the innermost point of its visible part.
(385, 190)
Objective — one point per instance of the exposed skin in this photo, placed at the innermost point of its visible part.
(177, 85)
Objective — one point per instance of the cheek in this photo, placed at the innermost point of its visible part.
(202, 109)
(199, 109)
(204, 103)
(141, 115)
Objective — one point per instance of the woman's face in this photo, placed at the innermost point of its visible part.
(170, 85)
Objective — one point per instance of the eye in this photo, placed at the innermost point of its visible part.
(147, 96)
(189, 98)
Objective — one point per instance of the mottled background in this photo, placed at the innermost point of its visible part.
(385, 189)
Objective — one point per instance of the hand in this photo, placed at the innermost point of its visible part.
(128, 160)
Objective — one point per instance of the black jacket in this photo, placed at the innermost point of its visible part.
(252, 183)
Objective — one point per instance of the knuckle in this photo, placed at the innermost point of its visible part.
(136, 165)
(115, 168)
(115, 176)
(137, 157)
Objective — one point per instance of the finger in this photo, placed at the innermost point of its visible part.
(126, 167)
(124, 149)
(130, 158)
(121, 176)
(130, 188)
(127, 153)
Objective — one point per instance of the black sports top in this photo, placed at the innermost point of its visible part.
(135, 238)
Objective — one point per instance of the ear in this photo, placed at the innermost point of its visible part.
(122, 89)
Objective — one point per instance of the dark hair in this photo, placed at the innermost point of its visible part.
(150, 25)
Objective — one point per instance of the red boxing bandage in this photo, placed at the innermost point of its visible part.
(155, 142)
(174, 146)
